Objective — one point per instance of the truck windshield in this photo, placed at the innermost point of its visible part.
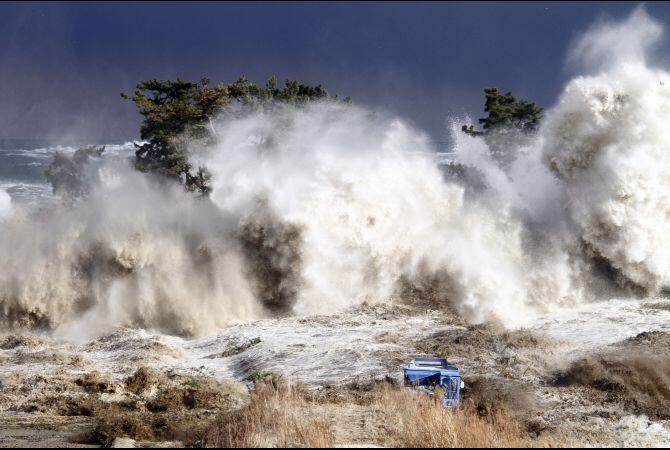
(428, 382)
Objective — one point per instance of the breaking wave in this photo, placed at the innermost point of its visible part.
(320, 208)
(608, 141)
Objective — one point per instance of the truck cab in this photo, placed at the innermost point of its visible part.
(427, 374)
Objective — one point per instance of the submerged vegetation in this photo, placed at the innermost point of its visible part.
(68, 175)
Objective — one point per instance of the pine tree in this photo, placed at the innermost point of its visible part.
(180, 113)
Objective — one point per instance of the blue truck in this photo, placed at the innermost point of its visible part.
(427, 374)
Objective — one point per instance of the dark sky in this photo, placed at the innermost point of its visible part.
(63, 65)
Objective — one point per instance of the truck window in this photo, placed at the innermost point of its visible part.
(429, 382)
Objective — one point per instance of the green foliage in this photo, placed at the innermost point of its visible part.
(509, 121)
(180, 113)
(506, 111)
(67, 174)
(251, 97)
(176, 113)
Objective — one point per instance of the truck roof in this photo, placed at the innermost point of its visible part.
(432, 365)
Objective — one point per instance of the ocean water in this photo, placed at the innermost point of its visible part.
(24, 161)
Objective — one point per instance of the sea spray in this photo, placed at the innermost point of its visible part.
(319, 208)
(373, 208)
(313, 210)
(608, 139)
(6, 208)
(134, 253)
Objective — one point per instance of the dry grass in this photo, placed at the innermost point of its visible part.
(394, 417)
(273, 418)
(417, 420)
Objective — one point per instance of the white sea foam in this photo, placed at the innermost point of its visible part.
(323, 207)
(609, 141)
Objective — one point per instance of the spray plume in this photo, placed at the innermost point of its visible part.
(324, 207)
